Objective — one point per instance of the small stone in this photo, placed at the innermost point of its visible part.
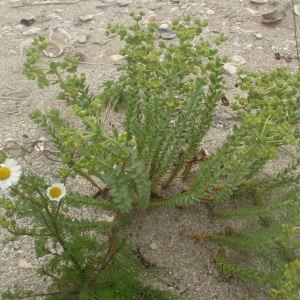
(259, 36)
(237, 60)
(251, 11)
(86, 18)
(210, 12)
(15, 248)
(58, 10)
(27, 22)
(40, 144)
(164, 26)
(22, 263)
(274, 16)
(124, 2)
(106, 218)
(32, 31)
(297, 9)
(81, 37)
(117, 58)
(259, 1)
(153, 246)
(101, 4)
(165, 32)
(230, 69)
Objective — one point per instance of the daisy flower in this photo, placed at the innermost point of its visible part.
(56, 191)
(10, 173)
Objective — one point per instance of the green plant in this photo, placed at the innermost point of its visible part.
(170, 92)
(85, 258)
(273, 247)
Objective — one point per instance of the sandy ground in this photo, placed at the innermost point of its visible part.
(186, 267)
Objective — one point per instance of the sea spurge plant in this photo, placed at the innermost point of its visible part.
(111, 158)
(268, 119)
(273, 246)
(169, 93)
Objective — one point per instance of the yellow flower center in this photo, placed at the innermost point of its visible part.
(4, 173)
(55, 192)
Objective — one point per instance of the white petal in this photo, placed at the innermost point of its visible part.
(5, 184)
(11, 162)
(14, 180)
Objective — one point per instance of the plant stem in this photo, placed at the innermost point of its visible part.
(111, 252)
(57, 234)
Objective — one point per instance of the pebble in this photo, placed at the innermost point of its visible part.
(81, 37)
(22, 263)
(251, 11)
(124, 2)
(86, 18)
(164, 26)
(153, 246)
(101, 4)
(259, 1)
(40, 144)
(106, 218)
(259, 36)
(297, 9)
(237, 60)
(117, 58)
(165, 32)
(32, 31)
(230, 69)
(27, 21)
(210, 12)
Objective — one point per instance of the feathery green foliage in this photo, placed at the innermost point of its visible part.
(85, 258)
